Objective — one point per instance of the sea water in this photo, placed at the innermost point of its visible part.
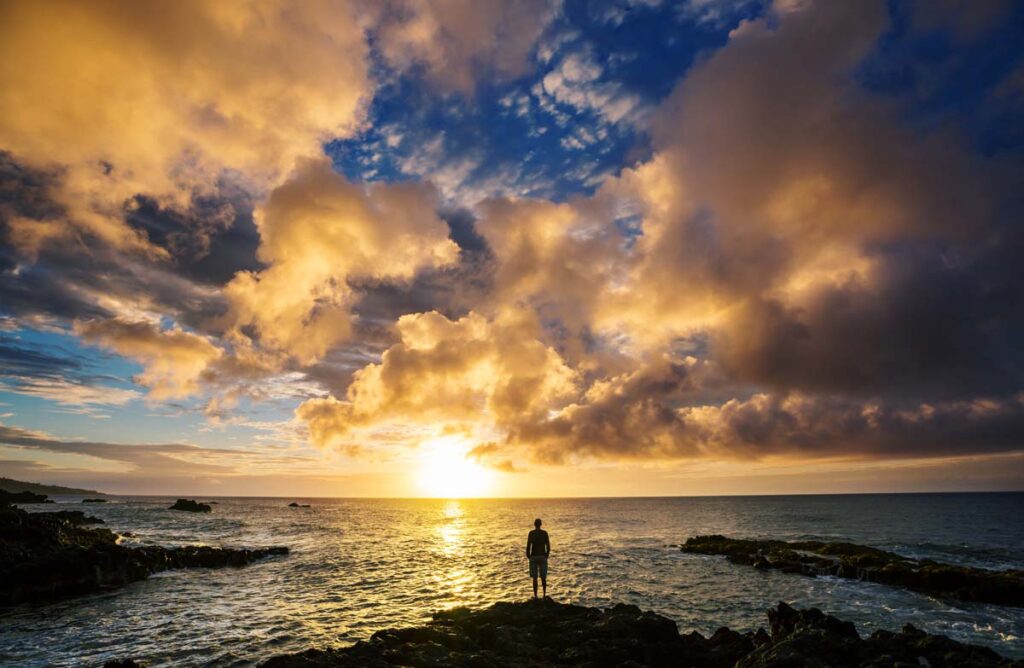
(358, 565)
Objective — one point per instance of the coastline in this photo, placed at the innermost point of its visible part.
(439, 528)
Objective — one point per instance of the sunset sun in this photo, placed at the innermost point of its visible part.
(444, 471)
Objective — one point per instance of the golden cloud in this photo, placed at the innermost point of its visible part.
(457, 41)
(173, 360)
(161, 98)
(471, 369)
(317, 231)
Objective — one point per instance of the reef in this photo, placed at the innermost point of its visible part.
(859, 562)
(296, 504)
(47, 556)
(94, 500)
(191, 506)
(546, 633)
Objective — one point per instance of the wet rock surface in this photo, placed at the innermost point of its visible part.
(554, 634)
(191, 506)
(54, 555)
(859, 562)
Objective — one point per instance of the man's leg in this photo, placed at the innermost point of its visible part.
(544, 583)
(535, 586)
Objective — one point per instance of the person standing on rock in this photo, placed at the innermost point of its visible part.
(538, 547)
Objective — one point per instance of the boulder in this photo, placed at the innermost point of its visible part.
(191, 506)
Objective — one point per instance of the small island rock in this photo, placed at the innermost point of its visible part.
(191, 506)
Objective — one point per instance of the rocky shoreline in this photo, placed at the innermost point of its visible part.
(546, 633)
(859, 562)
(45, 556)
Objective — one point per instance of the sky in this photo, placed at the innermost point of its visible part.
(512, 248)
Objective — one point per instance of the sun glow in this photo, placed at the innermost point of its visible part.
(445, 472)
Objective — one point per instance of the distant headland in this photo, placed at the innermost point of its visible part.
(15, 486)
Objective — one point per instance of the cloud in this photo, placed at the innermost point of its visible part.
(318, 232)
(448, 371)
(809, 278)
(159, 463)
(69, 393)
(459, 42)
(173, 359)
(159, 100)
(578, 82)
(795, 272)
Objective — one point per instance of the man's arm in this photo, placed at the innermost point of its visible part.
(547, 544)
(529, 544)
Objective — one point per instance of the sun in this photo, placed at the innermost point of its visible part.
(443, 471)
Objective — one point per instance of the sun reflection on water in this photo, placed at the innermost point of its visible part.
(450, 529)
(453, 580)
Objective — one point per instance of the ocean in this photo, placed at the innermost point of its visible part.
(358, 565)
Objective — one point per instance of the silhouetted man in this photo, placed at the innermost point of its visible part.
(538, 547)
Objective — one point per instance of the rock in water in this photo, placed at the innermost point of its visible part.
(295, 504)
(94, 500)
(534, 634)
(75, 517)
(22, 497)
(191, 506)
(51, 555)
(859, 562)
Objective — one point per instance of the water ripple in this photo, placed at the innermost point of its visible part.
(360, 565)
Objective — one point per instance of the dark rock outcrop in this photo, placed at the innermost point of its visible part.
(52, 555)
(191, 506)
(847, 560)
(22, 497)
(546, 633)
(295, 504)
(74, 517)
(94, 500)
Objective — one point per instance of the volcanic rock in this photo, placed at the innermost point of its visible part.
(859, 562)
(546, 633)
(191, 506)
(52, 555)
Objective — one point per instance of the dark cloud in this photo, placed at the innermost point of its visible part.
(926, 327)
(211, 241)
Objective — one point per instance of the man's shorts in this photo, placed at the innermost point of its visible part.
(538, 566)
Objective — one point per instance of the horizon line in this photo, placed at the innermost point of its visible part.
(551, 498)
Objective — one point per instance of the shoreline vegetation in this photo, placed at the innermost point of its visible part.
(868, 564)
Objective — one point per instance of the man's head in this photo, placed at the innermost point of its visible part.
(536, 523)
